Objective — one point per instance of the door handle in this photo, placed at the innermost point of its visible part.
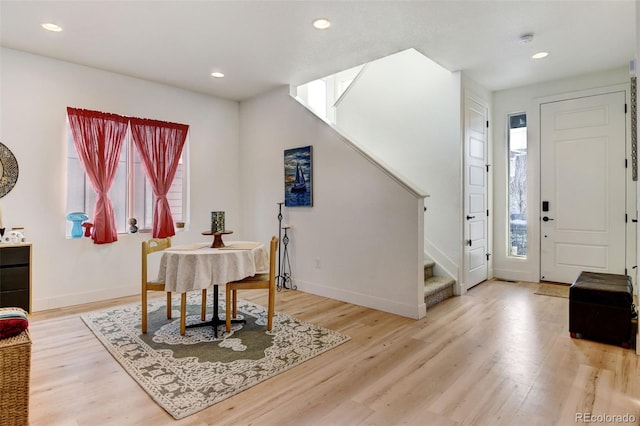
(469, 242)
(546, 219)
(470, 217)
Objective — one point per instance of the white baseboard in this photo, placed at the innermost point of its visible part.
(415, 312)
(511, 275)
(63, 301)
(381, 304)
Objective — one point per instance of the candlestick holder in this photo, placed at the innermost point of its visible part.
(285, 277)
(283, 280)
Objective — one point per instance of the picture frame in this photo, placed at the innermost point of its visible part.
(298, 177)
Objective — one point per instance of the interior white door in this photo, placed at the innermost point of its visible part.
(582, 187)
(475, 197)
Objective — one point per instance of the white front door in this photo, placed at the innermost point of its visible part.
(582, 187)
(475, 197)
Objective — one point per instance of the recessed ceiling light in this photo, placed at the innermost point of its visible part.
(322, 23)
(52, 27)
(540, 55)
(217, 74)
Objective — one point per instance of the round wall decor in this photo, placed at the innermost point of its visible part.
(8, 170)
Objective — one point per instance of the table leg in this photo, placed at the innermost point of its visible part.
(215, 319)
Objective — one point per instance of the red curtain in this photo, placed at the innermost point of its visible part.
(159, 144)
(98, 138)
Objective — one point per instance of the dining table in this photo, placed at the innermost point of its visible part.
(199, 266)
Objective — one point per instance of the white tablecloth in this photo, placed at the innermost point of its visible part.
(198, 266)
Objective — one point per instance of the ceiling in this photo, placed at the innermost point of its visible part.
(263, 44)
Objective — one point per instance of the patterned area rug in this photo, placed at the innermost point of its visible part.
(186, 374)
(555, 290)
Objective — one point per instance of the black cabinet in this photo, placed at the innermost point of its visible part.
(15, 276)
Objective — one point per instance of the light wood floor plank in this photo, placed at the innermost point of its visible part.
(499, 355)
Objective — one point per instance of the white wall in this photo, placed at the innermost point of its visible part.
(361, 242)
(406, 110)
(34, 93)
(525, 99)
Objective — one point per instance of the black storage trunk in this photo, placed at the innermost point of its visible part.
(601, 307)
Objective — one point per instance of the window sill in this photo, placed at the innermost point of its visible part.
(120, 234)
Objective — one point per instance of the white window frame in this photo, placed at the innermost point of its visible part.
(81, 196)
(522, 238)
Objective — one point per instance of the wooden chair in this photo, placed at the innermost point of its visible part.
(259, 281)
(151, 246)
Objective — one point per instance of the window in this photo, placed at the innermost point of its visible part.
(318, 97)
(517, 142)
(131, 194)
(323, 95)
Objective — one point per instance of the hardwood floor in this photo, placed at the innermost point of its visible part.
(499, 355)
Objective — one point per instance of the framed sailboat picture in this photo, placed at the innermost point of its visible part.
(298, 177)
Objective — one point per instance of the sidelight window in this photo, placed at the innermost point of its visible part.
(517, 142)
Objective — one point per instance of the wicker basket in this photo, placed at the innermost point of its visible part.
(15, 368)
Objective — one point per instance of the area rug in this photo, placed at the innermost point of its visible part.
(555, 290)
(186, 374)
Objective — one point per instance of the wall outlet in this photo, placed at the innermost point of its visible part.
(317, 263)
